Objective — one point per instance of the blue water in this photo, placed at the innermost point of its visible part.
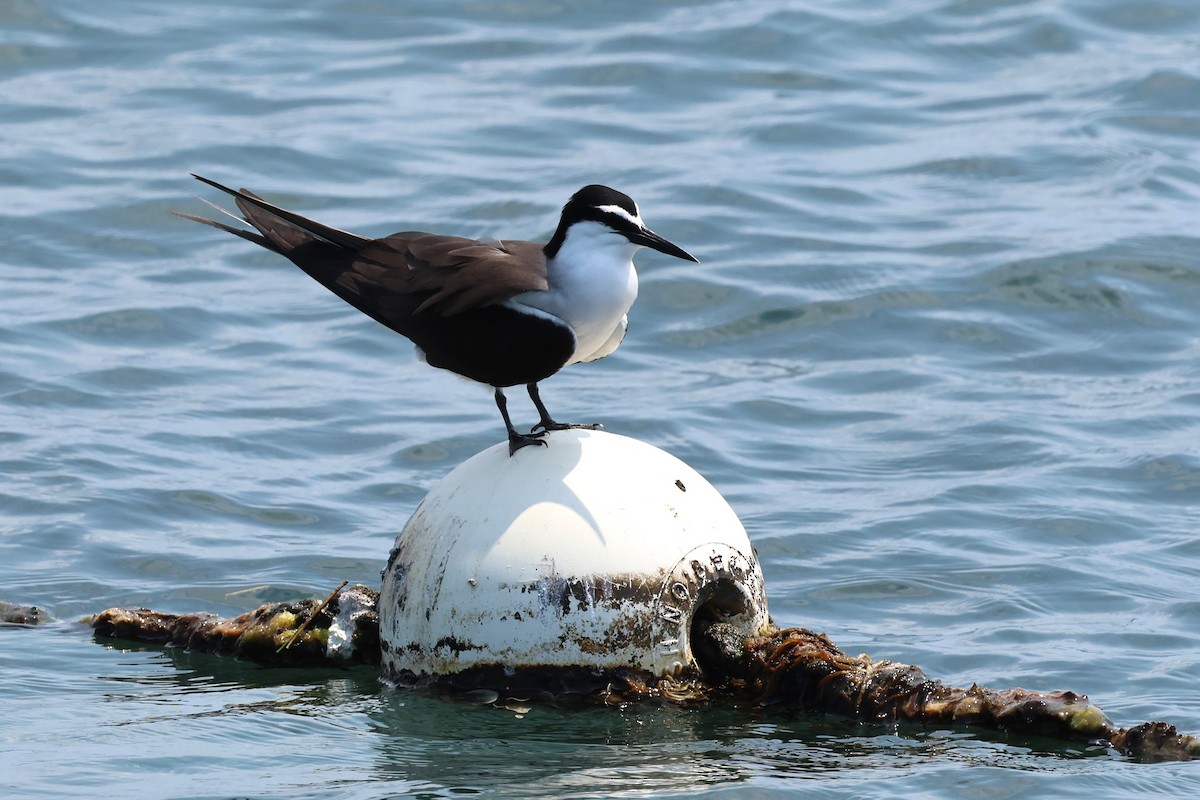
(942, 354)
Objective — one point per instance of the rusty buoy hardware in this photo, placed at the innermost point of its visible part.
(598, 554)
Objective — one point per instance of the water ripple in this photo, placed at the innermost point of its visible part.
(940, 355)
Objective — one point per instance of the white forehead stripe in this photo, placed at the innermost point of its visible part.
(636, 219)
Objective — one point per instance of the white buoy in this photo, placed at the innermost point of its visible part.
(597, 552)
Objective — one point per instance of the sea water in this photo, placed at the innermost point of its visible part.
(941, 353)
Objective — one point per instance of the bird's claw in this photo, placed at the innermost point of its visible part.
(519, 440)
(547, 425)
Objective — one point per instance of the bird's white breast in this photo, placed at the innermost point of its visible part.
(592, 286)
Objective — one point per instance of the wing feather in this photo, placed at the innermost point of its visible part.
(452, 273)
(396, 276)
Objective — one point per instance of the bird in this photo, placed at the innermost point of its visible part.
(502, 313)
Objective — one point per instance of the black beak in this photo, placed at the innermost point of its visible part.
(648, 238)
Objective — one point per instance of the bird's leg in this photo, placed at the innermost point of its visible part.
(515, 440)
(545, 424)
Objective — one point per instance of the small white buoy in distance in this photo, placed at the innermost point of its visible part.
(598, 552)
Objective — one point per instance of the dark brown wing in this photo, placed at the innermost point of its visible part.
(449, 274)
(396, 276)
(442, 292)
(445, 294)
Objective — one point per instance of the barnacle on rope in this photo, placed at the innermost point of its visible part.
(342, 631)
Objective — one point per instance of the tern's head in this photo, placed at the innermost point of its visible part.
(597, 205)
